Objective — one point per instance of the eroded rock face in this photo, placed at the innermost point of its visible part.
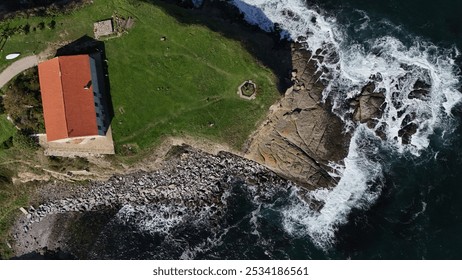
(368, 105)
(301, 135)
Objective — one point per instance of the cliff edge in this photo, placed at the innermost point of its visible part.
(301, 136)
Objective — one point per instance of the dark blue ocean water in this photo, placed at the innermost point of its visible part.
(419, 214)
(439, 21)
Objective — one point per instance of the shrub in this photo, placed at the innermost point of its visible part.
(52, 24)
(8, 143)
(22, 140)
(41, 25)
(62, 164)
(5, 175)
(26, 28)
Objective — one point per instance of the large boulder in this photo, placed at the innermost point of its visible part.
(368, 105)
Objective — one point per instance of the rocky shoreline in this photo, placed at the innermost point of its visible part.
(301, 136)
(188, 183)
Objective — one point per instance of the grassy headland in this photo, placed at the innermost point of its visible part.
(185, 84)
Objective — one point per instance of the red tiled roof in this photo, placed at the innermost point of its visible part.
(68, 107)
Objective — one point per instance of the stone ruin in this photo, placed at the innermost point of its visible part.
(103, 28)
(115, 25)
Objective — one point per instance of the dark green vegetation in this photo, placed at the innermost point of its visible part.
(175, 73)
(22, 102)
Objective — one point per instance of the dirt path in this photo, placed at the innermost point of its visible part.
(16, 68)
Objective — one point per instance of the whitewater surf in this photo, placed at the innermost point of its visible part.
(347, 65)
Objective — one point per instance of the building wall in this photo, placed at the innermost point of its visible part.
(100, 92)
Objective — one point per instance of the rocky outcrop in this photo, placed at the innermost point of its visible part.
(301, 136)
(368, 105)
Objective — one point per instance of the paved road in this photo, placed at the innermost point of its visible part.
(17, 67)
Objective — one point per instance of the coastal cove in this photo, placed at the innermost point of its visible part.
(348, 148)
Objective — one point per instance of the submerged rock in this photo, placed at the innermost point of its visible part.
(421, 90)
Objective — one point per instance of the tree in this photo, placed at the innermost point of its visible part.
(22, 102)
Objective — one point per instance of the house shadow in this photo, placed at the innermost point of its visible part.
(226, 19)
(100, 76)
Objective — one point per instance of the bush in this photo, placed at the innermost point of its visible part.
(41, 25)
(23, 140)
(62, 164)
(52, 24)
(8, 143)
(26, 28)
(5, 176)
(2, 108)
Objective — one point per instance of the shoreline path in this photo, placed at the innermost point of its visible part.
(16, 68)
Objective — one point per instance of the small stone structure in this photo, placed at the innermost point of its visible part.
(247, 90)
(122, 24)
(103, 28)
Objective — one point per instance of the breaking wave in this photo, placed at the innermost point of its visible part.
(418, 82)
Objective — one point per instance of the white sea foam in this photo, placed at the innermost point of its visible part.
(424, 207)
(350, 65)
(364, 21)
(154, 220)
(295, 20)
(354, 190)
(254, 220)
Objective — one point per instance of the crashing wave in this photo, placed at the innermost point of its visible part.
(418, 84)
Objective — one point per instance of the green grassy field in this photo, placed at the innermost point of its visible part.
(6, 128)
(184, 85)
